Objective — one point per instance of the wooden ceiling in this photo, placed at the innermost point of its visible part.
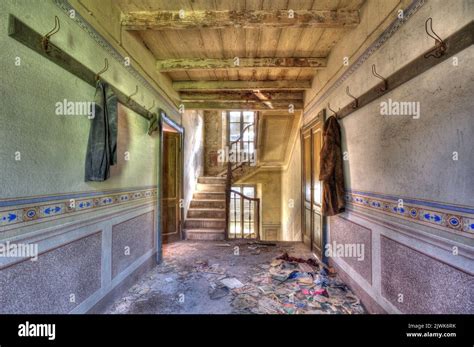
(257, 54)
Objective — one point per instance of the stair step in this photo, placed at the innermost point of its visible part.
(204, 223)
(207, 203)
(205, 234)
(203, 179)
(210, 187)
(206, 213)
(209, 196)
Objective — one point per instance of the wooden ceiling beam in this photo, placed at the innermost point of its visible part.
(170, 65)
(173, 20)
(242, 85)
(250, 101)
(265, 99)
(209, 105)
(238, 96)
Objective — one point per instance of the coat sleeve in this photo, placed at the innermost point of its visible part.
(328, 155)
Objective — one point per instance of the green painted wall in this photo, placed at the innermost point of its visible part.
(53, 147)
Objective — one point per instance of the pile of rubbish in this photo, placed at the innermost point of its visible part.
(292, 286)
(239, 277)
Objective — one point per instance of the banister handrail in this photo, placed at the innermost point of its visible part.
(241, 134)
(239, 140)
(230, 191)
(244, 196)
(256, 202)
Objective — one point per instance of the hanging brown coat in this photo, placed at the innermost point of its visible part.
(331, 169)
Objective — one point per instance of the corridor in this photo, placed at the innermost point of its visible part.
(285, 157)
(238, 277)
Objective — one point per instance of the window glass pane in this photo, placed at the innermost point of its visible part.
(249, 135)
(248, 117)
(249, 191)
(251, 148)
(235, 116)
(247, 215)
(234, 131)
(242, 213)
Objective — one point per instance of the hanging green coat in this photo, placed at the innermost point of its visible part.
(331, 172)
(102, 145)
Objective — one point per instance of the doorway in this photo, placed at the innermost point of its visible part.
(312, 219)
(242, 213)
(172, 181)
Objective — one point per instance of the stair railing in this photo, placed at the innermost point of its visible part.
(252, 202)
(237, 145)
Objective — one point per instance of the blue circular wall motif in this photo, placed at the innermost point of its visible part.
(454, 221)
(31, 213)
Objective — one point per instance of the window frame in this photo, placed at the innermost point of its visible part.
(242, 220)
(243, 124)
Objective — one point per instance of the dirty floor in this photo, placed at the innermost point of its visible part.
(236, 277)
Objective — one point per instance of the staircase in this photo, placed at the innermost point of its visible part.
(240, 172)
(206, 214)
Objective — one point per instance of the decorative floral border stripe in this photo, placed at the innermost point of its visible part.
(418, 211)
(43, 198)
(427, 203)
(52, 207)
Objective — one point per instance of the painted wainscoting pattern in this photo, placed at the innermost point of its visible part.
(17, 213)
(453, 218)
(417, 276)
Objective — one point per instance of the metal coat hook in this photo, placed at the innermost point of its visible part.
(45, 38)
(106, 67)
(440, 46)
(135, 93)
(385, 84)
(355, 104)
(149, 110)
(330, 109)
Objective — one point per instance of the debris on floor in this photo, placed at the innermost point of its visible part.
(232, 283)
(218, 292)
(296, 286)
(262, 278)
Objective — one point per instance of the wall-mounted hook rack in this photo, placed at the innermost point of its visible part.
(355, 104)
(45, 38)
(460, 40)
(133, 94)
(383, 88)
(333, 111)
(149, 110)
(34, 40)
(104, 69)
(440, 46)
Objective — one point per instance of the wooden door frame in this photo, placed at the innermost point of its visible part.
(163, 120)
(303, 192)
(320, 118)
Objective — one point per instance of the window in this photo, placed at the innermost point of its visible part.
(237, 121)
(242, 213)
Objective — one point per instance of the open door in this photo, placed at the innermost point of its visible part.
(307, 196)
(171, 186)
(313, 221)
